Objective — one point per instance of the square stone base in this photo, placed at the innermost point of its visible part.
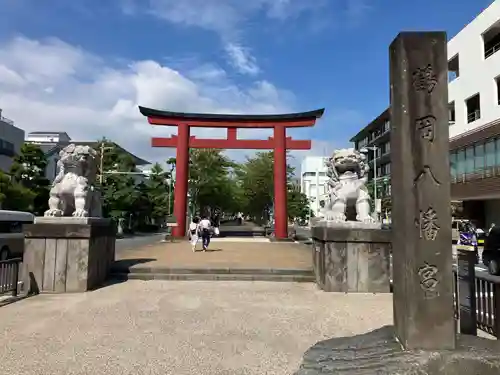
(351, 260)
(67, 255)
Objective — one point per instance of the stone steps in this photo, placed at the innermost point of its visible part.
(213, 274)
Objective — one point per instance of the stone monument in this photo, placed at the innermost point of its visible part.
(71, 248)
(424, 338)
(351, 252)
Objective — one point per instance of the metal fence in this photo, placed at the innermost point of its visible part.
(9, 276)
(487, 290)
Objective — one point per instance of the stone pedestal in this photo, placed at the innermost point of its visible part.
(67, 255)
(351, 260)
(378, 352)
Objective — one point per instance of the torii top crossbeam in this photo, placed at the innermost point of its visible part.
(210, 120)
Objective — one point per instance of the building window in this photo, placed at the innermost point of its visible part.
(6, 148)
(469, 160)
(453, 164)
(489, 154)
(453, 68)
(386, 169)
(491, 40)
(451, 113)
(387, 126)
(460, 162)
(497, 151)
(363, 142)
(478, 157)
(497, 82)
(473, 108)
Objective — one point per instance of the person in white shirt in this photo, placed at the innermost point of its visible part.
(205, 227)
(194, 232)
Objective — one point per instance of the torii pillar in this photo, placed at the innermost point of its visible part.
(280, 143)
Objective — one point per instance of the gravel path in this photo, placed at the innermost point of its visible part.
(180, 328)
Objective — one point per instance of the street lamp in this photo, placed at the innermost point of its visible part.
(365, 150)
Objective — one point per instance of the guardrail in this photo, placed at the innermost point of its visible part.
(487, 290)
(9, 276)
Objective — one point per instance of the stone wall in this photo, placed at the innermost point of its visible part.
(351, 260)
(65, 255)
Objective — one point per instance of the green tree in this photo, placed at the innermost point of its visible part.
(257, 185)
(14, 196)
(28, 170)
(119, 188)
(156, 191)
(298, 205)
(210, 184)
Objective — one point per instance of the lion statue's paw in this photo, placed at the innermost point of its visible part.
(335, 216)
(53, 212)
(80, 213)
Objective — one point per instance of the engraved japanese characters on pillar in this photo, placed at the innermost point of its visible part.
(429, 281)
(426, 172)
(427, 224)
(424, 79)
(426, 125)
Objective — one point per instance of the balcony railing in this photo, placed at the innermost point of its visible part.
(473, 116)
(490, 51)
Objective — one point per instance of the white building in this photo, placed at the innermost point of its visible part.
(48, 138)
(11, 140)
(474, 65)
(312, 180)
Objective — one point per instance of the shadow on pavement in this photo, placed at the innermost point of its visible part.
(124, 265)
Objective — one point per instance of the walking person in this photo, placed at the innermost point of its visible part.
(194, 232)
(205, 227)
(216, 224)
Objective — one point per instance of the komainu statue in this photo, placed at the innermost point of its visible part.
(348, 175)
(73, 192)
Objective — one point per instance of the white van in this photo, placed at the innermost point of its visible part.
(12, 234)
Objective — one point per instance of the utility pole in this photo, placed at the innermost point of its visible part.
(102, 149)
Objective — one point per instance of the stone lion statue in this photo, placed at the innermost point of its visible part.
(348, 175)
(73, 192)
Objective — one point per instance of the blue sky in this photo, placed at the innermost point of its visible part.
(82, 66)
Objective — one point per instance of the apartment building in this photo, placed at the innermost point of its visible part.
(11, 140)
(474, 120)
(312, 180)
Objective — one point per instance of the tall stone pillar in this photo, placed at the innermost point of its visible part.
(420, 178)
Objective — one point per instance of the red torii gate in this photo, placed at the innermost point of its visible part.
(280, 143)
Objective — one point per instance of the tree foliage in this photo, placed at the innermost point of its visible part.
(28, 172)
(119, 189)
(14, 196)
(211, 186)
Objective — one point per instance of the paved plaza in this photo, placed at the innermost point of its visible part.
(171, 327)
(222, 253)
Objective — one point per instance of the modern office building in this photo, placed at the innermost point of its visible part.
(11, 140)
(474, 119)
(312, 180)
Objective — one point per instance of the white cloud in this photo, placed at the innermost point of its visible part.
(241, 59)
(227, 18)
(54, 86)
